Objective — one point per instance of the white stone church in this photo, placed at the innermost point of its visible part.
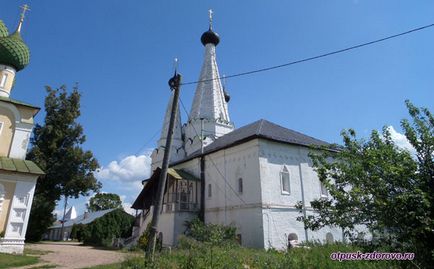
(253, 176)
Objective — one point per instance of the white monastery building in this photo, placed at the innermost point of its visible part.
(252, 178)
(17, 175)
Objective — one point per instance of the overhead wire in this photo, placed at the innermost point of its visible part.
(212, 161)
(313, 57)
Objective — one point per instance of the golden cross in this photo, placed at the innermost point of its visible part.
(210, 18)
(25, 8)
(175, 64)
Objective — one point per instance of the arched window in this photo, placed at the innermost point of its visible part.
(292, 236)
(324, 191)
(285, 181)
(209, 190)
(329, 238)
(240, 185)
(3, 80)
(292, 240)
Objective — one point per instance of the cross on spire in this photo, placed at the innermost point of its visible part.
(210, 12)
(24, 9)
(175, 65)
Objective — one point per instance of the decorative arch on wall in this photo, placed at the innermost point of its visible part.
(13, 109)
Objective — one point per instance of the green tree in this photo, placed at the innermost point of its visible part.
(56, 148)
(375, 183)
(102, 201)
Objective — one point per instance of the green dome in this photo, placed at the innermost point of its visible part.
(14, 52)
(3, 29)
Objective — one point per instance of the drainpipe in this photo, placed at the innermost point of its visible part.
(303, 201)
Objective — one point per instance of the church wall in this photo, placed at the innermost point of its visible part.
(227, 203)
(20, 205)
(172, 225)
(8, 189)
(27, 114)
(279, 206)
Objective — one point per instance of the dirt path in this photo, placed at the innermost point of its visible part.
(73, 255)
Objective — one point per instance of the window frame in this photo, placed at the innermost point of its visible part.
(3, 80)
(286, 171)
(322, 188)
(209, 191)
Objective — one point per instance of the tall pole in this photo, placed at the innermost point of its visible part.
(174, 83)
(202, 175)
(63, 219)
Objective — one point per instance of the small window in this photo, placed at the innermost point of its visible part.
(1, 127)
(209, 190)
(3, 80)
(329, 238)
(284, 181)
(240, 185)
(324, 191)
(292, 240)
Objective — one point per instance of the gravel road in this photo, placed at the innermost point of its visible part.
(73, 255)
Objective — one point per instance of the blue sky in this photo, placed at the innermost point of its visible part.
(121, 53)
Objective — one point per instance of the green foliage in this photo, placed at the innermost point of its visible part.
(211, 233)
(102, 231)
(144, 239)
(203, 257)
(377, 184)
(103, 201)
(9, 261)
(56, 148)
(80, 232)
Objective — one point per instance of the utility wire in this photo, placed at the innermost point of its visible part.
(314, 57)
(148, 141)
(212, 161)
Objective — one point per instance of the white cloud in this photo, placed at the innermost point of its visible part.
(400, 140)
(128, 209)
(131, 169)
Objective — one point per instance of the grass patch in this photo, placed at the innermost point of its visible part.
(201, 255)
(9, 260)
(35, 252)
(45, 266)
(106, 266)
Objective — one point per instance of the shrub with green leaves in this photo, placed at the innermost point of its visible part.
(102, 231)
(211, 233)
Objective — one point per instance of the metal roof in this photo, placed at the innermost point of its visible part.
(16, 102)
(21, 166)
(84, 219)
(259, 129)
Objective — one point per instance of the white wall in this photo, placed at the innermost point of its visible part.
(279, 214)
(227, 205)
(16, 224)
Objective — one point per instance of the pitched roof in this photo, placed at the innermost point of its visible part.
(21, 166)
(258, 129)
(84, 218)
(16, 102)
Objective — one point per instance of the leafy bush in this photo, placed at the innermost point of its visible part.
(79, 232)
(211, 233)
(144, 239)
(103, 230)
